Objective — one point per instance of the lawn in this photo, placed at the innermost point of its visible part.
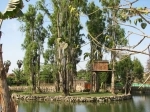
(76, 94)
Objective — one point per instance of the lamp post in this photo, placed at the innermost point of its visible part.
(6, 65)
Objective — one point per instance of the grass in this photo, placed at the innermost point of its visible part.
(76, 94)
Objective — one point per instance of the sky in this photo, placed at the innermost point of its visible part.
(12, 38)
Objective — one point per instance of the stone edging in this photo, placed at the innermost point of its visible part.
(71, 98)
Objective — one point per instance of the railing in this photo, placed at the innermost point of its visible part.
(140, 85)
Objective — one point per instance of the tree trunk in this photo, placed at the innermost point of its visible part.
(91, 82)
(97, 82)
(57, 83)
(6, 102)
(73, 73)
(33, 83)
(113, 79)
(113, 53)
(33, 76)
(38, 74)
(66, 78)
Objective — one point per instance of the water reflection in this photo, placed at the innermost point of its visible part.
(137, 104)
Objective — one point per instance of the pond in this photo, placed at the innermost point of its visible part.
(137, 104)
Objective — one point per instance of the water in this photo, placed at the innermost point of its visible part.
(137, 104)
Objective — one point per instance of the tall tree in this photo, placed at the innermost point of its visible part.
(65, 29)
(35, 34)
(123, 71)
(96, 26)
(128, 71)
(115, 35)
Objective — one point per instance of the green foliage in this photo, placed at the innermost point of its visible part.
(126, 14)
(128, 67)
(140, 20)
(123, 68)
(96, 26)
(47, 73)
(35, 34)
(11, 81)
(103, 77)
(110, 3)
(119, 36)
(86, 55)
(138, 69)
(65, 27)
(49, 56)
(143, 25)
(83, 74)
(13, 10)
(18, 79)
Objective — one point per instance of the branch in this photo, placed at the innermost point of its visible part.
(130, 3)
(131, 51)
(139, 42)
(146, 79)
(141, 34)
(143, 18)
(109, 49)
(134, 28)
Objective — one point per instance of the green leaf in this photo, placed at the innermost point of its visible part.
(135, 22)
(140, 20)
(1, 15)
(13, 10)
(143, 25)
(86, 55)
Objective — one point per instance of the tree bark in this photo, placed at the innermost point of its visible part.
(6, 102)
(113, 53)
(113, 76)
(33, 75)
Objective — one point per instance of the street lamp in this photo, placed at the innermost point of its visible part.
(19, 63)
(6, 65)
